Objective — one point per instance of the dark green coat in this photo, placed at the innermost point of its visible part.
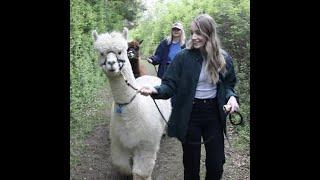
(181, 79)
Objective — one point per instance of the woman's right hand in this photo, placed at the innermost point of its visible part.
(146, 91)
(233, 105)
(149, 60)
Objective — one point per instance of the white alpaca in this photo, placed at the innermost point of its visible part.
(136, 126)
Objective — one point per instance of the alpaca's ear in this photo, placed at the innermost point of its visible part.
(95, 35)
(125, 33)
(141, 41)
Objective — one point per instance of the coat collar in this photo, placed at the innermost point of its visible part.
(196, 55)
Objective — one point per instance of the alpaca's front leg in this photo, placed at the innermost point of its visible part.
(121, 159)
(143, 163)
(137, 177)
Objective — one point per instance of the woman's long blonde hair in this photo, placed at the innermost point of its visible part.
(215, 62)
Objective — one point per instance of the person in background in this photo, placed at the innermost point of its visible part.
(168, 48)
(202, 78)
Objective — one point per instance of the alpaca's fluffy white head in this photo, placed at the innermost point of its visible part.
(112, 49)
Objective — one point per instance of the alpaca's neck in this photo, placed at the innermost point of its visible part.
(122, 93)
(135, 67)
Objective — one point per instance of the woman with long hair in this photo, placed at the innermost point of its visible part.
(168, 48)
(202, 78)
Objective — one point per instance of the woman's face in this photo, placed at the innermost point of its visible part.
(176, 32)
(198, 39)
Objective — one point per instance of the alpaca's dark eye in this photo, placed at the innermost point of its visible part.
(101, 54)
(119, 53)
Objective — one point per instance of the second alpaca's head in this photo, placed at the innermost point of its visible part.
(133, 51)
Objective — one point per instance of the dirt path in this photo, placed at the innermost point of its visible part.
(95, 160)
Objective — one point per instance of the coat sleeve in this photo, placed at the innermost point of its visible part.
(158, 55)
(171, 77)
(230, 78)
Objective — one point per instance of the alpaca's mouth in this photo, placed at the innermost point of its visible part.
(110, 68)
(130, 55)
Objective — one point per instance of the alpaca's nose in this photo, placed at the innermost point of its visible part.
(111, 63)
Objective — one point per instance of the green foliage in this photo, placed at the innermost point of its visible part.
(86, 78)
(124, 11)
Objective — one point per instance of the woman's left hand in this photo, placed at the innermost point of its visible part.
(146, 91)
(233, 103)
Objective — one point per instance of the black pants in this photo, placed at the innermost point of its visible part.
(204, 122)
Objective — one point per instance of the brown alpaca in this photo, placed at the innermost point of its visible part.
(134, 58)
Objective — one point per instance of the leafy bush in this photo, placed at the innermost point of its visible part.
(86, 80)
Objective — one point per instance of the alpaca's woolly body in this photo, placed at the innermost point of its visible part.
(136, 131)
(140, 118)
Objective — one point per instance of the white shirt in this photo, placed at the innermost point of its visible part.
(205, 90)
